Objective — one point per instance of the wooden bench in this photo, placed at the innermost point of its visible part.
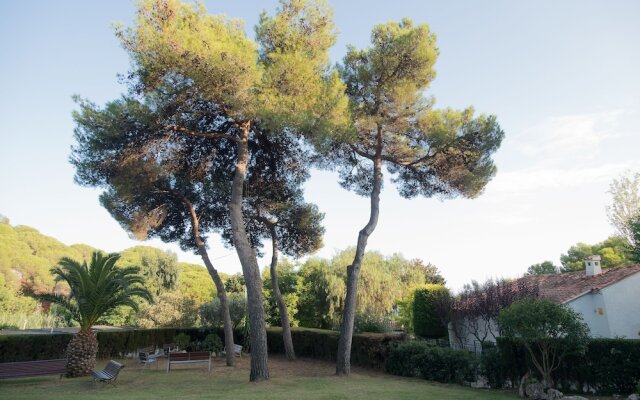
(32, 368)
(189, 358)
(109, 374)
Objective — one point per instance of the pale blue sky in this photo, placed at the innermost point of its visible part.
(562, 77)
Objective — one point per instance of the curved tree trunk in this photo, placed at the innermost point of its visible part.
(224, 306)
(343, 361)
(282, 307)
(81, 353)
(249, 262)
(222, 293)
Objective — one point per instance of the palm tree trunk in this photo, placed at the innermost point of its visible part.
(81, 353)
(249, 262)
(343, 361)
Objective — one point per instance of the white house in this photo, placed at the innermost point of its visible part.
(608, 300)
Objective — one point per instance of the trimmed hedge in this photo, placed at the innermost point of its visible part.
(110, 343)
(367, 350)
(608, 366)
(426, 322)
(441, 364)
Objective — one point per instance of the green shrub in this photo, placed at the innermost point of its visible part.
(372, 323)
(421, 359)
(182, 340)
(212, 343)
(367, 349)
(446, 365)
(493, 367)
(607, 366)
(399, 361)
(110, 344)
(430, 304)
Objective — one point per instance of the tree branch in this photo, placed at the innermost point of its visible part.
(199, 134)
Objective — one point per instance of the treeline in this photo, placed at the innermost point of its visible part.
(185, 296)
(26, 257)
(615, 251)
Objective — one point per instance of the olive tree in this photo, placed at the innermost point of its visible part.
(548, 330)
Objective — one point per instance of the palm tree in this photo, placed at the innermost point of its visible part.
(95, 290)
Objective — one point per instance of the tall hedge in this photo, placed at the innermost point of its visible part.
(368, 350)
(427, 301)
(607, 366)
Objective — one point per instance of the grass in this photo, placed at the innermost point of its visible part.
(303, 379)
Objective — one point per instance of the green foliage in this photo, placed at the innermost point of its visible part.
(288, 284)
(606, 366)
(368, 349)
(96, 288)
(26, 256)
(171, 309)
(625, 193)
(431, 305)
(210, 313)
(212, 343)
(182, 340)
(545, 267)
(494, 367)
(159, 268)
(634, 226)
(284, 79)
(194, 282)
(415, 358)
(614, 253)
(235, 284)
(383, 284)
(371, 323)
(548, 330)
(442, 364)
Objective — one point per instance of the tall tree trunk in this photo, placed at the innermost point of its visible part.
(224, 305)
(81, 353)
(249, 262)
(222, 293)
(343, 361)
(282, 307)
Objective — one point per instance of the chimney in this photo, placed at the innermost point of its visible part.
(593, 265)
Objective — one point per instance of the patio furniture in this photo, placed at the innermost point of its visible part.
(109, 374)
(189, 358)
(148, 359)
(32, 368)
(237, 350)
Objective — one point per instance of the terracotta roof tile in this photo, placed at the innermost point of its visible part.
(566, 286)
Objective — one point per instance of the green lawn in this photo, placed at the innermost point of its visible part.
(304, 379)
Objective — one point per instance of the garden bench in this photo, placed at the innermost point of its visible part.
(189, 358)
(109, 374)
(32, 368)
(237, 350)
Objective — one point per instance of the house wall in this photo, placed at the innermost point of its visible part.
(623, 307)
(464, 334)
(594, 311)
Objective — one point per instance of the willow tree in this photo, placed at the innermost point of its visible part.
(427, 152)
(282, 83)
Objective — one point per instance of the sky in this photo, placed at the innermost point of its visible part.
(562, 78)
